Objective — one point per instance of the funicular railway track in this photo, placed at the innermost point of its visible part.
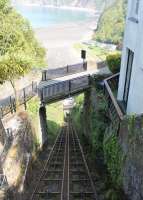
(66, 175)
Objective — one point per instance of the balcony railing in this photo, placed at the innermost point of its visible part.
(110, 90)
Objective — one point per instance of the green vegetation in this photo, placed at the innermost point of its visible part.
(77, 111)
(113, 157)
(105, 149)
(114, 62)
(33, 111)
(98, 121)
(55, 116)
(93, 51)
(111, 24)
(99, 125)
(33, 107)
(19, 50)
(55, 119)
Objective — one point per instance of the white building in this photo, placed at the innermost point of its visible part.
(130, 90)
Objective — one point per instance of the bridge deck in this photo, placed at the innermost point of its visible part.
(62, 87)
(65, 78)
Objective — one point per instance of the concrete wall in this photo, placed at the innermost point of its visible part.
(131, 139)
(43, 125)
(133, 40)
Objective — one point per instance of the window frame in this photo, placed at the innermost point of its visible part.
(134, 10)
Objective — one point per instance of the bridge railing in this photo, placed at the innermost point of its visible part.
(60, 72)
(8, 104)
(63, 88)
(110, 90)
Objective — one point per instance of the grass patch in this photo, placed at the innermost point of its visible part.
(55, 118)
(55, 115)
(33, 107)
(92, 51)
(76, 112)
(33, 111)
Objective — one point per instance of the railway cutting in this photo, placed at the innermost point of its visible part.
(66, 175)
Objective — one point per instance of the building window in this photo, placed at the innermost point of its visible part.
(130, 59)
(137, 6)
(134, 10)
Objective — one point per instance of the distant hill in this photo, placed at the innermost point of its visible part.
(95, 4)
(111, 24)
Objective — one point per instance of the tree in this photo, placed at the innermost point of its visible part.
(19, 50)
(13, 66)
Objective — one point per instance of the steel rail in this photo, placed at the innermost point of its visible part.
(85, 163)
(66, 175)
(49, 157)
(65, 183)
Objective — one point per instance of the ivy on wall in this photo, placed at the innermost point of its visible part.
(114, 157)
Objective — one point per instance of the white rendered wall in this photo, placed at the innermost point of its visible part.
(133, 40)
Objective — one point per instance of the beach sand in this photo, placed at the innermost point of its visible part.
(59, 42)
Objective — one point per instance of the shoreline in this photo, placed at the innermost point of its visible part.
(60, 30)
(91, 25)
(75, 8)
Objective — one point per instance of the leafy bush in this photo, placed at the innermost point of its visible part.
(114, 62)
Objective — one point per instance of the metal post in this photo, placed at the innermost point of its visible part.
(1, 113)
(84, 65)
(11, 105)
(67, 69)
(44, 75)
(69, 86)
(32, 85)
(42, 97)
(24, 96)
(83, 56)
(14, 105)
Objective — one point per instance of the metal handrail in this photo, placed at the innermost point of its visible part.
(7, 105)
(112, 77)
(112, 97)
(60, 72)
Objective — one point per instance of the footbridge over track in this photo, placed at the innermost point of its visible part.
(60, 88)
(63, 87)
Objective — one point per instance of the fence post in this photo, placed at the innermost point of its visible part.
(42, 96)
(32, 85)
(69, 86)
(1, 113)
(84, 65)
(24, 96)
(14, 105)
(44, 75)
(11, 105)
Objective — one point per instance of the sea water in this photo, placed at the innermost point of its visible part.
(43, 16)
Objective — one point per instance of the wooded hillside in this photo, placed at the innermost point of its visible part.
(111, 23)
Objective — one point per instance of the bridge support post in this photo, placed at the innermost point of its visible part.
(2, 133)
(43, 123)
(87, 111)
